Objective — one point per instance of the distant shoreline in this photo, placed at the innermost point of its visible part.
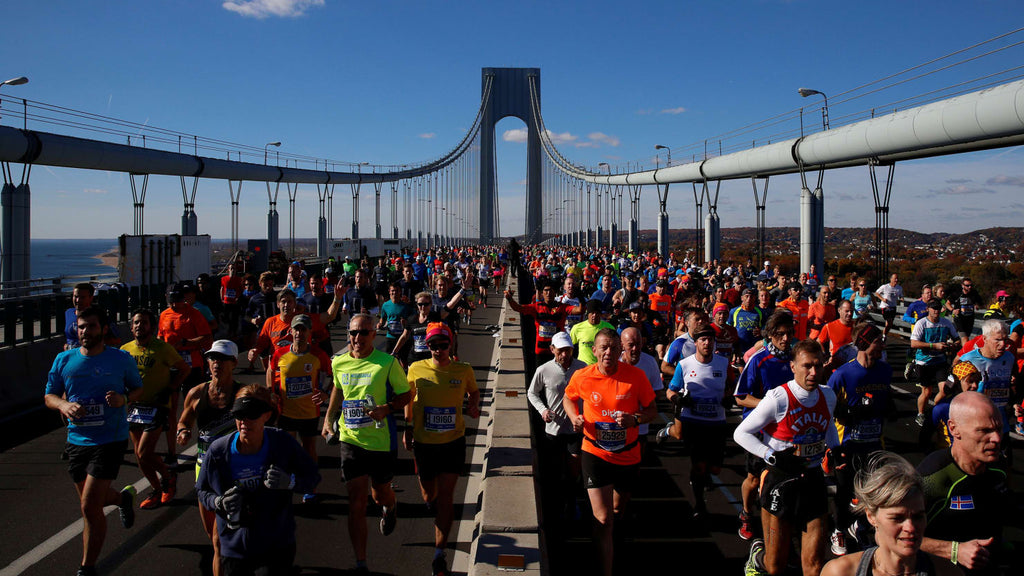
(108, 258)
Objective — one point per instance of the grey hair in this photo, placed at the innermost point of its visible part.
(368, 318)
(994, 326)
(888, 480)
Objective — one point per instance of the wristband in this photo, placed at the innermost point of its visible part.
(954, 552)
(180, 430)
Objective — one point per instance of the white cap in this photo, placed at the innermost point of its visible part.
(561, 340)
(767, 263)
(223, 348)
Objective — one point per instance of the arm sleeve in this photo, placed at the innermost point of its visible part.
(534, 393)
(765, 413)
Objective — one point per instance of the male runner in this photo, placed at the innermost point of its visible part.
(437, 435)
(369, 387)
(584, 334)
(890, 296)
(616, 399)
(148, 416)
(796, 421)
(90, 386)
(930, 339)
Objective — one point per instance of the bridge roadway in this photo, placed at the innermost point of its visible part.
(41, 527)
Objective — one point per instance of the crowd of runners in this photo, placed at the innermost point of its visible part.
(614, 333)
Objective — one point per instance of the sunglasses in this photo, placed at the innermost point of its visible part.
(423, 304)
(967, 285)
(438, 346)
(362, 332)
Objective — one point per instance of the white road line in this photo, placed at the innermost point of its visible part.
(72, 531)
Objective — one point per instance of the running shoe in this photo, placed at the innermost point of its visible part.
(752, 567)
(389, 519)
(838, 541)
(170, 486)
(309, 498)
(439, 567)
(152, 502)
(1019, 428)
(919, 420)
(86, 571)
(127, 506)
(700, 510)
(745, 532)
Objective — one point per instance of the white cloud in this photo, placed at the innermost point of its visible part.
(960, 190)
(673, 111)
(94, 191)
(428, 135)
(645, 111)
(603, 138)
(1007, 180)
(521, 134)
(264, 8)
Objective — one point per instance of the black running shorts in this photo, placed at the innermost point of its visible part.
(357, 462)
(102, 461)
(794, 499)
(598, 473)
(432, 460)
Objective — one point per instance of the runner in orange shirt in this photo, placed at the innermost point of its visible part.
(820, 313)
(798, 307)
(616, 399)
(837, 334)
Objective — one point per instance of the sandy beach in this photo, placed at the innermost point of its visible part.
(108, 259)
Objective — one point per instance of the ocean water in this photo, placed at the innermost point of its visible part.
(53, 257)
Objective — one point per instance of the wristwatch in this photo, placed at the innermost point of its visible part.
(636, 417)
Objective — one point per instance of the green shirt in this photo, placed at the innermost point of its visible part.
(583, 334)
(357, 378)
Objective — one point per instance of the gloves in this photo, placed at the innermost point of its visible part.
(277, 479)
(230, 507)
(682, 400)
(785, 461)
(728, 402)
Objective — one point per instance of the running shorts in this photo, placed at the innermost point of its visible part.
(567, 443)
(101, 461)
(432, 460)
(706, 441)
(794, 499)
(598, 473)
(147, 418)
(357, 462)
(306, 427)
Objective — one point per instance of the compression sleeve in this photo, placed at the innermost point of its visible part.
(772, 408)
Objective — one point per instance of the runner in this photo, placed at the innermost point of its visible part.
(836, 334)
(369, 388)
(699, 390)
(633, 354)
(863, 401)
(999, 372)
(796, 420)
(208, 406)
(820, 313)
(964, 305)
(437, 434)
(584, 333)
(797, 305)
(149, 414)
(81, 298)
(766, 369)
(248, 479)
(90, 386)
(547, 389)
(616, 399)
(889, 296)
(748, 320)
(393, 315)
(930, 339)
(231, 288)
(296, 375)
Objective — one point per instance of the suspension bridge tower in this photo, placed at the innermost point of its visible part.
(510, 96)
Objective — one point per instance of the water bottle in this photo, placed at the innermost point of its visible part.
(370, 405)
(332, 435)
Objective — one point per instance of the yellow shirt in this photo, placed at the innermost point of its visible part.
(296, 377)
(438, 393)
(155, 362)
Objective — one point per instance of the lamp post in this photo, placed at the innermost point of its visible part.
(660, 147)
(266, 147)
(805, 92)
(14, 81)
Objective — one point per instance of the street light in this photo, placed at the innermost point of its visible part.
(660, 147)
(14, 81)
(805, 92)
(605, 164)
(265, 147)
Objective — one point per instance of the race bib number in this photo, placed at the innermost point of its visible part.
(999, 396)
(547, 330)
(810, 449)
(231, 294)
(353, 412)
(298, 386)
(142, 414)
(395, 327)
(705, 407)
(868, 431)
(610, 436)
(419, 344)
(437, 419)
(92, 413)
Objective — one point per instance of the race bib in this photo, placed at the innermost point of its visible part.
(92, 413)
(395, 327)
(547, 330)
(810, 449)
(705, 407)
(142, 414)
(868, 431)
(999, 396)
(230, 294)
(298, 386)
(419, 344)
(610, 436)
(437, 419)
(353, 412)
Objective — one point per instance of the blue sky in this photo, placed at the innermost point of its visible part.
(395, 82)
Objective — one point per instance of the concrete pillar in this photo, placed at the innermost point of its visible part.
(808, 229)
(15, 231)
(663, 234)
(321, 238)
(613, 235)
(634, 236)
(712, 236)
(819, 232)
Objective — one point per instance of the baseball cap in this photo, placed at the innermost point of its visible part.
(225, 348)
(561, 340)
(174, 293)
(1002, 294)
(635, 305)
(747, 291)
(302, 320)
(438, 330)
(594, 306)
